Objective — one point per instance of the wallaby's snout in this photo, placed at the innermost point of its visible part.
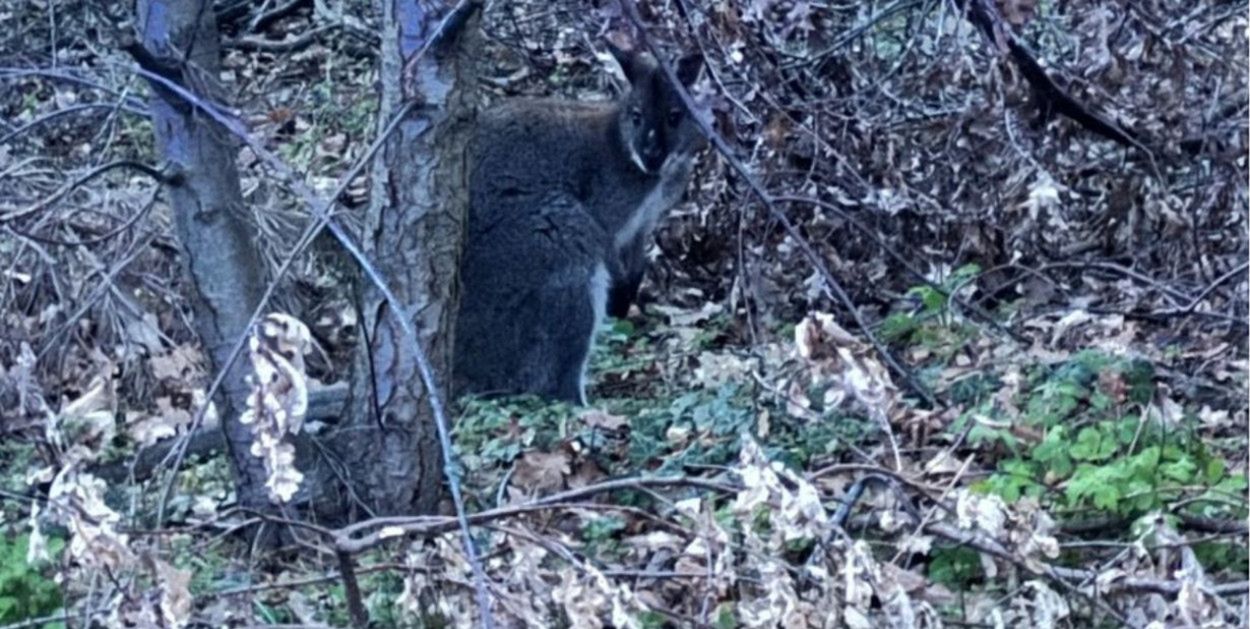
(652, 151)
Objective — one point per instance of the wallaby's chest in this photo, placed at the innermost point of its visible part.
(643, 216)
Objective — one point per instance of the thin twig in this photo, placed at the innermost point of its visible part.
(1193, 303)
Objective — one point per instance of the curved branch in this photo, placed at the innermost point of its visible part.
(161, 177)
(73, 109)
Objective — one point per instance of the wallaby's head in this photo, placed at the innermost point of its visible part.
(653, 121)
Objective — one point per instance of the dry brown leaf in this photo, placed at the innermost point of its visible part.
(1017, 12)
(179, 363)
(603, 420)
(542, 472)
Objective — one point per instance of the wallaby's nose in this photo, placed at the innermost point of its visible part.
(652, 154)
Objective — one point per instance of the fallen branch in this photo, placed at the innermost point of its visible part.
(1051, 98)
(362, 536)
(295, 44)
(324, 404)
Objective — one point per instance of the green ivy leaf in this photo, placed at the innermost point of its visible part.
(1181, 470)
(1087, 446)
(1101, 484)
(1215, 470)
(1147, 460)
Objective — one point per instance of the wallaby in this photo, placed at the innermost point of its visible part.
(563, 196)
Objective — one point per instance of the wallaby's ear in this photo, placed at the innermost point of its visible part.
(628, 59)
(688, 68)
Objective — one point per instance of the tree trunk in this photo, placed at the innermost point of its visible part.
(385, 445)
(220, 254)
(413, 232)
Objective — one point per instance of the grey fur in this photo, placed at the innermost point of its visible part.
(557, 227)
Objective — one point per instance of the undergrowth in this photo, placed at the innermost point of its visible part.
(1089, 436)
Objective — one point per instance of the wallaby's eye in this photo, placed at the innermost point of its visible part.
(674, 117)
(635, 117)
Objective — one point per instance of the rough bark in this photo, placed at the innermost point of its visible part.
(220, 254)
(413, 232)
